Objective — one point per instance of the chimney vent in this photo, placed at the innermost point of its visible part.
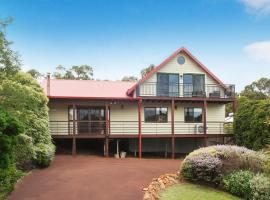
(48, 84)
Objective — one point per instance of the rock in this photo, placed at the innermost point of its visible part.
(144, 189)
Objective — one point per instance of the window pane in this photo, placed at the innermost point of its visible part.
(70, 113)
(173, 85)
(150, 114)
(188, 84)
(162, 84)
(197, 114)
(162, 114)
(189, 115)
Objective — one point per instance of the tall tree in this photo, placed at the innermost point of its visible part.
(81, 72)
(35, 73)
(130, 78)
(257, 90)
(9, 60)
(146, 70)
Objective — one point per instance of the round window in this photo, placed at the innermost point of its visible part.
(181, 60)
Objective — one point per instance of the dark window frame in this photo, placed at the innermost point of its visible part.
(192, 119)
(156, 115)
(169, 86)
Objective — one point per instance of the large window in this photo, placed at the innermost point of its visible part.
(159, 115)
(193, 115)
(167, 84)
(193, 85)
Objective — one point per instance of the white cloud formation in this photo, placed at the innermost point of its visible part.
(261, 7)
(259, 51)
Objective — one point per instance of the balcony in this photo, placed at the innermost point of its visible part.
(127, 128)
(186, 90)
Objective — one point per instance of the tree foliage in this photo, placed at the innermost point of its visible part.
(130, 78)
(22, 96)
(146, 70)
(35, 73)
(81, 72)
(259, 89)
(9, 60)
(252, 123)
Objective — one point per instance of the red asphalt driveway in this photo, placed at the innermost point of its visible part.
(91, 177)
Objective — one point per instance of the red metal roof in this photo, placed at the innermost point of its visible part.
(60, 88)
(157, 68)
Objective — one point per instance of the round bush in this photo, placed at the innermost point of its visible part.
(260, 187)
(238, 183)
(44, 154)
(212, 163)
(24, 152)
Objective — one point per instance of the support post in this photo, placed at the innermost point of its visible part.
(140, 126)
(74, 147)
(172, 128)
(107, 132)
(204, 122)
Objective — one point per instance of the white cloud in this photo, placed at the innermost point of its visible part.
(259, 51)
(261, 7)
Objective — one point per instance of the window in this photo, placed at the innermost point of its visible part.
(181, 60)
(193, 115)
(167, 84)
(159, 115)
(193, 85)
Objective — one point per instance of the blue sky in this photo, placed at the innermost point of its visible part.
(120, 37)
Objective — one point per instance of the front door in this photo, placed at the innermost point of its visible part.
(91, 119)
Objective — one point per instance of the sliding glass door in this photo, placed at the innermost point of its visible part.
(91, 119)
(167, 84)
(194, 85)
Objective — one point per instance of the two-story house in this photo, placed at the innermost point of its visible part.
(177, 107)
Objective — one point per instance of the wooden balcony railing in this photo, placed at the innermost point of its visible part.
(186, 90)
(131, 127)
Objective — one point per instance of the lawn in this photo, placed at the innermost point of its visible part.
(187, 191)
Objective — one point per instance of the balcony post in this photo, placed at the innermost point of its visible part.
(172, 128)
(204, 122)
(106, 153)
(74, 148)
(140, 126)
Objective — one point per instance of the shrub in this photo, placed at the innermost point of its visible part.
(44, 154)
(238, 183)
(24, 152)
(8, 177)
(23, 97)
(212, 163)
(260, 187)
(252, 123)
(266, 151)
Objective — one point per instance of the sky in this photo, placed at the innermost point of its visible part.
(120, 37)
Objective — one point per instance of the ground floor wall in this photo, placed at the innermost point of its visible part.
(124, 118)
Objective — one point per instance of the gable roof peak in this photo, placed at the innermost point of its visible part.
(157, 68)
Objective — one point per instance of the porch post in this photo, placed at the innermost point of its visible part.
(172, 128)
(74, 148)
(140, 127)
(204, 122)
(107, 131)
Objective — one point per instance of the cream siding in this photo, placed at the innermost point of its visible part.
(149, 87)
(124, 119)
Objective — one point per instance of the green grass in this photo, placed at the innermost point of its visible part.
(188, 191)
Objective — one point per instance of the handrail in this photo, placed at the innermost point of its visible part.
(131, 127)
